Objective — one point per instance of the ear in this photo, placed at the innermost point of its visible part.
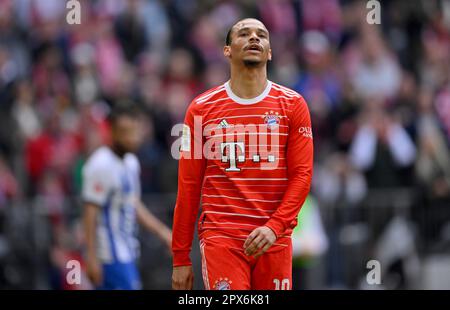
(227, 51)
(270, 54)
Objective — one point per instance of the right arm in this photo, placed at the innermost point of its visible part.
(95, 188)
(90, 215)
(191, 171)
(363, 147)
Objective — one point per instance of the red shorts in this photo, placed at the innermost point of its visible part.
(226, 267)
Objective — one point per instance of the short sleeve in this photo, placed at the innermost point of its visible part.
(96, 185)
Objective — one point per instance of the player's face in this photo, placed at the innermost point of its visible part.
(249, 43)
(126, 134)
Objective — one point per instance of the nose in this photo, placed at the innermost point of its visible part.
(254, 36)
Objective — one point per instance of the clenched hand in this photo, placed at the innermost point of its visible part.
(182, 278)
(259, 241)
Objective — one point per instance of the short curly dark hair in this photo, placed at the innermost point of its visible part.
(228, 38)
(122, 109)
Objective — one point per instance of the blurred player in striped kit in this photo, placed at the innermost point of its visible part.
(247, 154)
(112, 205)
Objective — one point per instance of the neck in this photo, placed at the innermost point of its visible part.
(248, 82)
(118, 151)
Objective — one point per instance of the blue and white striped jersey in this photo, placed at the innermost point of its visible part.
(113, 184)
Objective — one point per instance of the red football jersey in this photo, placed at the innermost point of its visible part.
(249, 162)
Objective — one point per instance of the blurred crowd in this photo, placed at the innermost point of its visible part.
(379, 97)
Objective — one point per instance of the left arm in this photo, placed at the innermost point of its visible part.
(153, 224)
(402, 147)
(299, 168)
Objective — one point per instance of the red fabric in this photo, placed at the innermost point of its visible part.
(236, 202)
(50, 152)
(228, 268)
(37, 155)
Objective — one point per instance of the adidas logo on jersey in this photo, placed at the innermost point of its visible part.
(224, 124)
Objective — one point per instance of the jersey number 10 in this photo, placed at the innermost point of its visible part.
(282, 285)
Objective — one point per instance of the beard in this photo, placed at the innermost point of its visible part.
(250, 63)
(120, 149)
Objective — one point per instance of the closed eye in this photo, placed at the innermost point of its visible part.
(263, 34)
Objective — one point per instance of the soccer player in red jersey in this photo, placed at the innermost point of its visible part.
(247, 153)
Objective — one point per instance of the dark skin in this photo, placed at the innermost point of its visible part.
(125, 139)
(125, 135)
(248, 54)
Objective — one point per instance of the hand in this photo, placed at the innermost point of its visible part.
(94, 271)
(259, 241)
(182, 278)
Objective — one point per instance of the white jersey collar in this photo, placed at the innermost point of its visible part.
(249, 100)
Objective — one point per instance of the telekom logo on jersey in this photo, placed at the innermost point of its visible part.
(228, 143)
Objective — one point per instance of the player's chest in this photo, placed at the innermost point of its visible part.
(265, 116)
(248, 136)
(124, 185)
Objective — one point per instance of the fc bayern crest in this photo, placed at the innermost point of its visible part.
(271, 119)
(223, 284)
